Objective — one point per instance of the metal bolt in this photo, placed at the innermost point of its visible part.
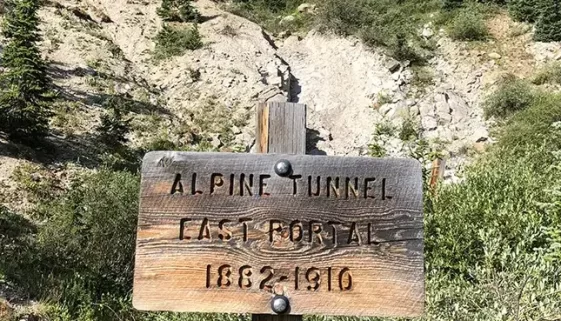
(280, 304)
(283, 167)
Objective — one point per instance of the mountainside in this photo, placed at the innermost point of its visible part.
(113, 69)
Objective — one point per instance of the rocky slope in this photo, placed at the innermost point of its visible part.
(100, 48)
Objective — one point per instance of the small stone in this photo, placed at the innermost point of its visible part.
(394, 66)
(287, 20)
(480, 147)
(306, 8)
(494, 55)
(481, 134)
(427, 32)
(284, 34)
(215, 141)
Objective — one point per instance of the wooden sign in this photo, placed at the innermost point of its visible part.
(221, 232)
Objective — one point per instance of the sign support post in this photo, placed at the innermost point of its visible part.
(280, 128)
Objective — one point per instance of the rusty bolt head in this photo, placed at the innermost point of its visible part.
(283, 168)
(280, 304)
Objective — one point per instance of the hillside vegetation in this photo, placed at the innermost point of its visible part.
(493, 240)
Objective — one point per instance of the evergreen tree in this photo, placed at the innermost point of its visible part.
(114, 127)
(178, 10)
(523, 10)
(548, 24)
(24, 83)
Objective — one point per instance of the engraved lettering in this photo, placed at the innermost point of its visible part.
(208, 267)
(318, 188)
(315, 228)
(329, 279)
(345, 280)
(333, 224)
(246, 185)
(204, 232)
(370, 240)
(224, 276)
(182, 229)
(350, 188)
(231, 189)
(296, 231)
(262, 185)
(295, 179)
(384, 191)
(194, 190)
(274, 226)
(313, 276)
(244, 223)
(263, 285)
(245, 277)
(354, 236)
(368, 188)
(177, 186)
(225, 234)
(331, 186)
(215, 181)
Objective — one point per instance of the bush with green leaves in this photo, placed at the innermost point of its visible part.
(468, 25)
(512, 95)
(390, 24)
(523, 10)
(492, 245)
(451, 4)
(178, 11)
(548, 22)
(24, 85)
(173, 41)
(550, 74)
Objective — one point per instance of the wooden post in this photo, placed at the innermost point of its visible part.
(437, 172)
(281, 129)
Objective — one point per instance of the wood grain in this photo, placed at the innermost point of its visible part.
(296, 131)
(373, 236)
(262, 128)
(281, 128)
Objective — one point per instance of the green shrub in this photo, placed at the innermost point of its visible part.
(523, 10)
(511, 96)
(548, 23)
(409, 130)
(451, 4)
(17, 247)
(486, 243)
(87, 243)
(173, 41)
(468, 25)
(390, 24)
(550, 74)
(532, 127)
(178, 10)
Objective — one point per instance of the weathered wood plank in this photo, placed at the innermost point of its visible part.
(286, 128)
(228, 238)
(294, 145)
(262, 128)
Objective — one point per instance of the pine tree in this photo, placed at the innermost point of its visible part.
(25, 84)
(523, 10)
(178, 10)
(548, 24)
